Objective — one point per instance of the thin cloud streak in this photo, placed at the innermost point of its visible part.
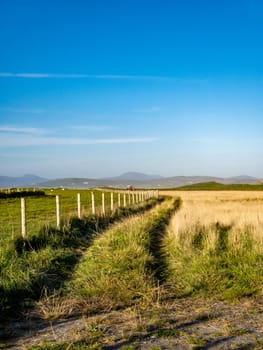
(21, 140)
(19, 130)
(33, 131)
(99, 76)
(79, 76)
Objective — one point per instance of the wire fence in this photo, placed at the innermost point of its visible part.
(101, 203)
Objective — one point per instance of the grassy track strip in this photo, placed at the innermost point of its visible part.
(47, 259)
(120, 267)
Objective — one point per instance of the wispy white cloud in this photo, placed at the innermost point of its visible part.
(51, 131)
(101, 76)
(83, 141)
(79, 76)
(20, 140)
(32, 141)
(16, 136)
(19, 130)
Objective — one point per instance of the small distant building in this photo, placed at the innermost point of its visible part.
(130, 188)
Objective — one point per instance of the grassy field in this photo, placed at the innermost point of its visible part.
(214, 245)
(192, 254)
(47, 257)
(41, 210)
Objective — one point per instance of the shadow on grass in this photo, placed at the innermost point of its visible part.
(157, 232)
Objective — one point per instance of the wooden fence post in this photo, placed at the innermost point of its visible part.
(133, 198)
(93, 203)
(58, 211)
(103, 203)
(79, 206)
(23, 218)
(124, 200)
(119, 200)
(111, 202)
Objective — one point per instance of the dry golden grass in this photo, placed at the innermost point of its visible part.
(214, 244)
(242, 210)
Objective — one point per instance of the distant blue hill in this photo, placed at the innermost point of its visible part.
(27, 180)
(135, 176)
(138, 180)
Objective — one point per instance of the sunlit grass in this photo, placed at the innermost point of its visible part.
(119, 267)
(41, 211)
(215, 244)
(47, 257)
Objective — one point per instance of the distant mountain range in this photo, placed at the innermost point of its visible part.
(131, 176)
(22, 181)
(138, 180)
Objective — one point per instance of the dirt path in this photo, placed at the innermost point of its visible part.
(180, 324)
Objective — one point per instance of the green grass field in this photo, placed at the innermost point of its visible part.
(41, 210)
(124, 265)
(206, 244)
(48, 255)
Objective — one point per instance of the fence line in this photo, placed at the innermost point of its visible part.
(133, 198)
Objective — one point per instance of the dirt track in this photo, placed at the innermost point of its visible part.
(180, 324)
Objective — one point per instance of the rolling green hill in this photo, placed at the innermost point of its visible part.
(215, 186)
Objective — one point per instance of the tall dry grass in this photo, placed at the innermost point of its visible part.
(243, 211)
(216, 240)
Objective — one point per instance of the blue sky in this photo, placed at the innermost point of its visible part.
(98, 88)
